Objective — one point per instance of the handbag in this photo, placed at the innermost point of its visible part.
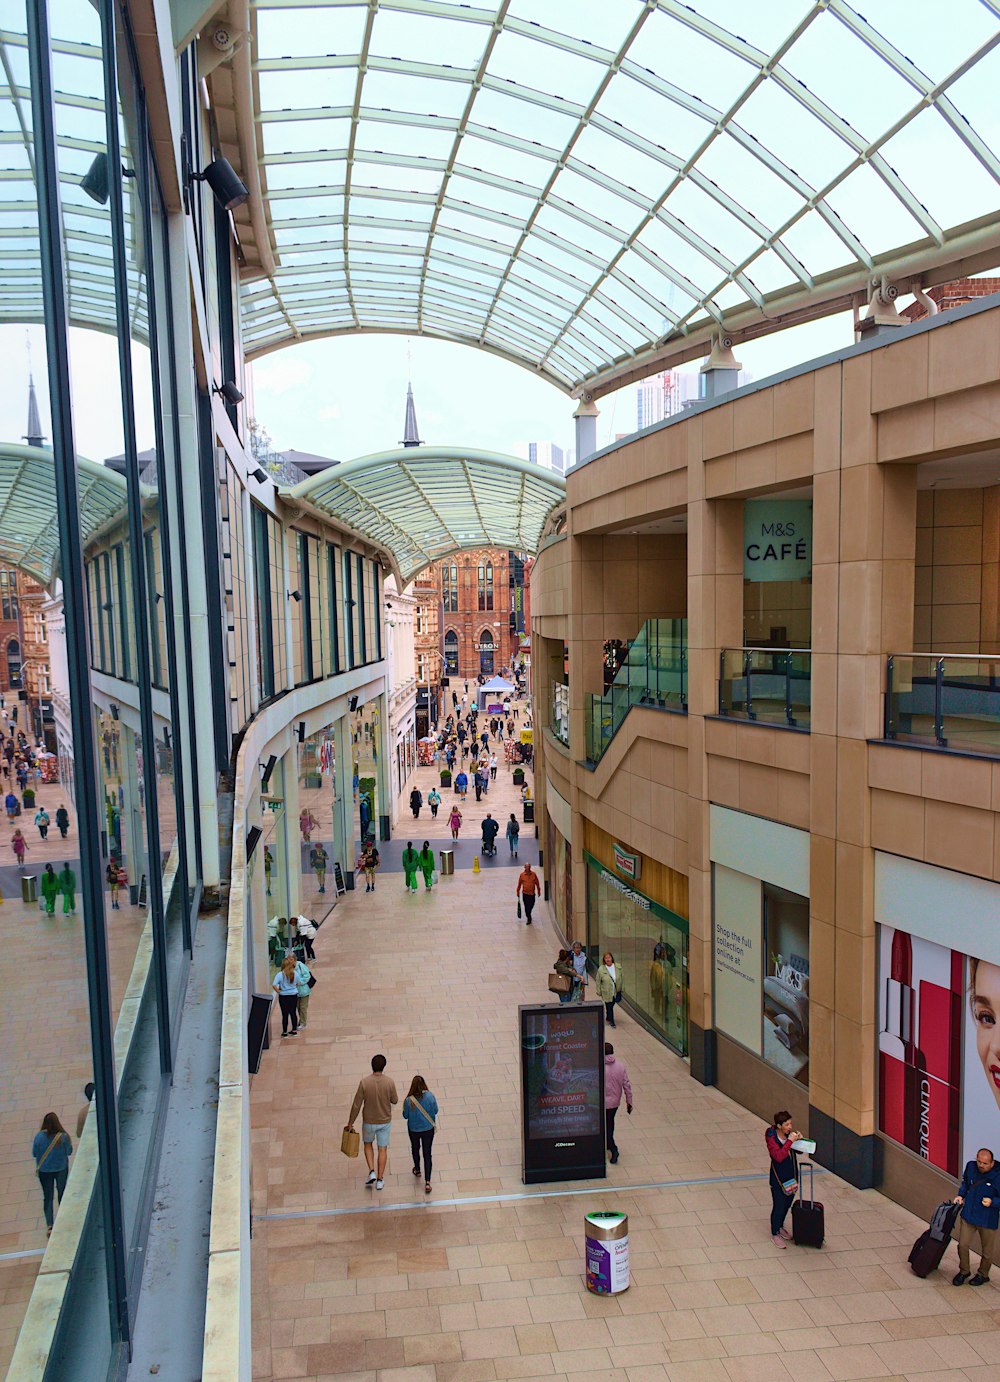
(560, 983)
(350, 1142)
(519, 909)
(312, 980)
(790, 1186)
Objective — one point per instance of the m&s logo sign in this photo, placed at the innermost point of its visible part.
(777, 539)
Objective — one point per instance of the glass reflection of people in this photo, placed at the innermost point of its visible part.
(268, 866)
(657, 975)
(984, 1000)
(318, 858)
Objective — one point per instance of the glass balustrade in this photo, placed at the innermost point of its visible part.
(945, 700)
(768, 685)
(654, 674)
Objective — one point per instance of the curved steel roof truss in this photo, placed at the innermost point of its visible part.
(466, 197)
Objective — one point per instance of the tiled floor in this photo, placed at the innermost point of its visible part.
(472, 1285)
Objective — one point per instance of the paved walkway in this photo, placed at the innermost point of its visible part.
(484, 1279)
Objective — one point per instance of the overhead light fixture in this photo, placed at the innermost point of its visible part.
(295, 595)
(95, 180)
(302, 731)
(229, 392)
(107, 605)
(268, 770)
(228, 188)
(114, 712)
(260, 474)
(253, 835)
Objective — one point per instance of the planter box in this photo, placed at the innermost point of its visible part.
(518, 776)
(446, 779)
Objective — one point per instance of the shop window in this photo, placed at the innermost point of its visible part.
(451, 653)
(761, 980)
(649, 942)
(449, 587)
(486, 653)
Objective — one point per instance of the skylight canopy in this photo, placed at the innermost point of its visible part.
(422, 503)
(29, 526)
(576, 184)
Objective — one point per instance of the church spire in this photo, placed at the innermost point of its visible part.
(33, 436)
(411, 437)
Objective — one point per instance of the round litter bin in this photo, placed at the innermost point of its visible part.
(606, 1252)
(447, 862)
(29, 888)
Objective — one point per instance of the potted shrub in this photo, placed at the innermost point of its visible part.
(518, 776)
(445, 777)
(28, 797)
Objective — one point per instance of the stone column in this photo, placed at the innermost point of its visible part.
(715, 621)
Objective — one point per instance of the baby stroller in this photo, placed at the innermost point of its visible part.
(489, 846)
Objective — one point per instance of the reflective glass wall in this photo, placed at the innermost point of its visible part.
(101, 865)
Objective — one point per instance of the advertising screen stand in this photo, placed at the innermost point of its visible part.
(562, 1092)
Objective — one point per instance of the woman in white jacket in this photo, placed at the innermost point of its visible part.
(307, 930)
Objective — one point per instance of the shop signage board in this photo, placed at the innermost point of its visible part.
(629, 865)
(777, 539)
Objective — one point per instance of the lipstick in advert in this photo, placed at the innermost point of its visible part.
(940, 1041)
(899, 1084)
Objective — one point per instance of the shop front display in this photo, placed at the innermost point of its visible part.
(649, 942)
(938, 1009)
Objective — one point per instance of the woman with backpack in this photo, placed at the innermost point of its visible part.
(513, 832)
(52, 1150)
(420, 1109)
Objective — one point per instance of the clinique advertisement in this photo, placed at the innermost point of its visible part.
(939, 1053)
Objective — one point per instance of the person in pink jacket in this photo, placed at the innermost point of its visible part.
(616, 1083)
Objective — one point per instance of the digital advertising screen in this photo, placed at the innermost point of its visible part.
(562, 1091)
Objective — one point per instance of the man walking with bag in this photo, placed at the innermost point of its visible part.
(528, 887)
(374, 1099)
(979, 1196)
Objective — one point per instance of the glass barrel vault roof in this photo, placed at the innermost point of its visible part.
(420, 504)
(29, 527)
(575, 183)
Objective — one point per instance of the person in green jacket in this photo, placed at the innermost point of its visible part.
(426, 860)
(67, 881)
(50, 889)
(411, 861)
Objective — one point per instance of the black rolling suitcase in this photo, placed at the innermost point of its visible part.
(808, 1216)
(927, 1252)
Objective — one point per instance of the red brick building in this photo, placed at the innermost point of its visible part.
(483, 596)
(954, 294)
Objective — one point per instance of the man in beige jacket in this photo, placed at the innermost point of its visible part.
(376, 1094)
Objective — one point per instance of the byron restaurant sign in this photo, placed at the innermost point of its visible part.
(627, 864)
(777, 539)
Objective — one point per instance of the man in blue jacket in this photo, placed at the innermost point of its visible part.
(979, 1196)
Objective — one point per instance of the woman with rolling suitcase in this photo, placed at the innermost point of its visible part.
(784, 1174)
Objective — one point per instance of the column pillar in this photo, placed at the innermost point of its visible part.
(721, 371)
(715, 621)
(343, 801)
(585, 418)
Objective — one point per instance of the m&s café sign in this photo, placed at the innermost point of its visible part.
(627, 864)
(777, 539)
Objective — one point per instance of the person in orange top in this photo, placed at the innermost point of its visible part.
(528, 887)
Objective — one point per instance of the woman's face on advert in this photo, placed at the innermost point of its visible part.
(985, 1013)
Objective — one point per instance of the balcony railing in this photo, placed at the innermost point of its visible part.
(653, 674)
(771, 686)
(944, 699)
(559, 712)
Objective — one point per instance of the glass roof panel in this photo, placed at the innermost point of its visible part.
(424, 38)
(329, 86)
(677, 54)
(726, 125)
(303, 32)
